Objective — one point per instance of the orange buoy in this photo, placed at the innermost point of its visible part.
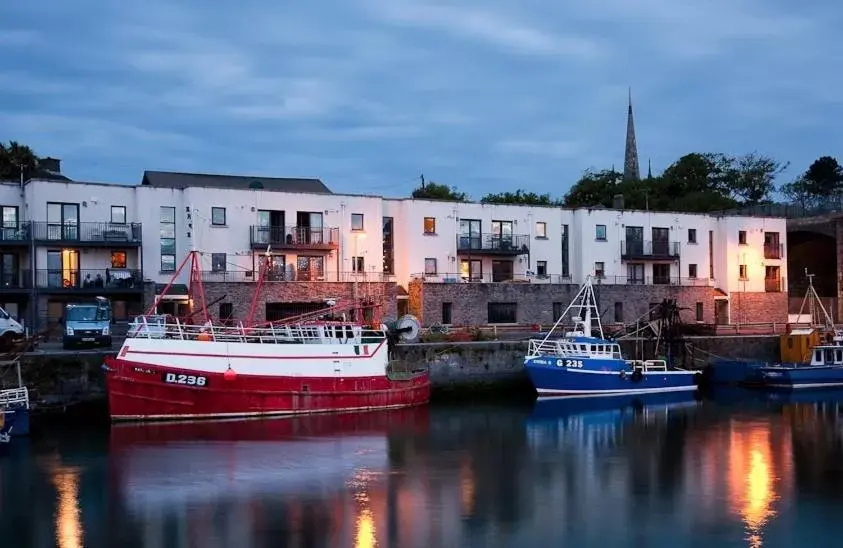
(204, 336)
(230, 374)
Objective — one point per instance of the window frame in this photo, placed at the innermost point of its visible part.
(432, 225)
(597, 236)
(214, 211)
(427, 271)
(215, 258)
(541, 234)
(118, 208)
(117, 252)
(362, 224)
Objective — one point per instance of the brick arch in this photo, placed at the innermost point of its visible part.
(818, 253)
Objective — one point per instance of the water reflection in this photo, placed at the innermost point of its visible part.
(653, 471)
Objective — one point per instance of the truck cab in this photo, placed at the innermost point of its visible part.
(10, 330)
(87, 324)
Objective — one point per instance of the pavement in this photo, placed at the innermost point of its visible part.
(53, 348)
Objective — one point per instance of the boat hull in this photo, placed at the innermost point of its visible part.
(142, 391)
(800, 377)
(15, 420)
(549, 379)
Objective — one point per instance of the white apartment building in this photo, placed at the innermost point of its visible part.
(64, 240)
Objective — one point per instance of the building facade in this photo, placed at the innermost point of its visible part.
(448, 262)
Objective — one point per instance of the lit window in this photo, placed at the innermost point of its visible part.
(742, 272)
(118, 259)
(541, 230)
(430, 225)
(430, 266)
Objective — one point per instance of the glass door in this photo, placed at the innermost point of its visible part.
(470, 236)
(9, 275)
(635, 240)
(502, 234)
(62, 221)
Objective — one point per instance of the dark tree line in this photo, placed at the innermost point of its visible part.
(696, 183)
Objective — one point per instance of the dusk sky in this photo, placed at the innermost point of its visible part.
(368, 94)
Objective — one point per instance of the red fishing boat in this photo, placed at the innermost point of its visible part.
(331, 361)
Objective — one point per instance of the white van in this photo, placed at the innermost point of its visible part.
(10, 330)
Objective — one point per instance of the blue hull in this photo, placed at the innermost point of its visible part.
(16, 420)
(734, 371)
(801, 377)
(603, 378)
(552, 408)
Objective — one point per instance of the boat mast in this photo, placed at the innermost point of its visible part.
(196, 291)
(583, 300)
(265, 265)
(818, 313)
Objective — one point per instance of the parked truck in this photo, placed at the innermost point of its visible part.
(87, 324)
(10, 330)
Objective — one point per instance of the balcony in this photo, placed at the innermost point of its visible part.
(15, 234)
(294, 238)
(773, 251)
(656, 250)
(654, 280)
(488, 277)
(87, 234)
(95, 282)
(283, 275)
(774, 285)
(494, 244)
(16, 282)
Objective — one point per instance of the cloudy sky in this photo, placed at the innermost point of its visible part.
(368, 94)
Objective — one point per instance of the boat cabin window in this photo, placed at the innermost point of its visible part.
(616, 351)
(818, 355)
(838, 356)
(593, 348)
(829, 355)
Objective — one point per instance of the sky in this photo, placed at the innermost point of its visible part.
(368, 95)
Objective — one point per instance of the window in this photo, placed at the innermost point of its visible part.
(699, 311)
(357, 221)
(600, 233)
(502, 312)
(692, 235)
(471, 270)
(446, 313)
(118, 259)
(118, 215)
(10, 217)
(62, 221)
(599, 269)
(168, 238)
(565, 265)
(430, 225)
(357, 264)
(742, 272)
(226, 311)
(635, 273)
(470, 235)
(541, 269)
(742, 237)
(430, 266)
(310, 268)
(618, 312)
(541, 230)
(557, 311)
(218, 262)
(692, 271)
(661, 274)
(218, 216)
(388, 246)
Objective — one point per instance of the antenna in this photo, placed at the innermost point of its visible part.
(422, 180)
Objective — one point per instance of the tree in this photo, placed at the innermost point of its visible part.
(13, 157)
(594, 189)
(750, 179)
(823, 180)
(436, 191)
(520, 197)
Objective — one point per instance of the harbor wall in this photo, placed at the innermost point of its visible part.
(58, 380)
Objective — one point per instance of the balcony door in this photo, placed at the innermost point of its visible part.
(661, 242)
(471, 270)
(635, 240)
(502, 234)
(9, 273)
(502, 271)
(470, 234)
(62, 221)
(63, 268)
(309, 228)
(270, 227)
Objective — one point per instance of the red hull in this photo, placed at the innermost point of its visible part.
(137, 391)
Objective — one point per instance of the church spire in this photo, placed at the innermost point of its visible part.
(649, 169)
(630, 164)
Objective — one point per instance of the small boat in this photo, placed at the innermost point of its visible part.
(14, 403)
(329, 361)
(825, 370)
(580, 363)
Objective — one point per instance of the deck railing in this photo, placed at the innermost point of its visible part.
(14, 396)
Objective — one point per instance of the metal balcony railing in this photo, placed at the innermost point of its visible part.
(16, 280)
(494, 244)
(87, 233)
(653, 280)
(11, 233)
(93, 280)
(293, 275)
(489, 277)
(774, 285)
(649, 249)
(773, 251)
(294, 237)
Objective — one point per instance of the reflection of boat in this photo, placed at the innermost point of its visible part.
(822, 395)
(580, 363)
(173, 464)
(314, 363)
(554, 408)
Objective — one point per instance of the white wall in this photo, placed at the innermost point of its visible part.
(10, 195)
(751, 254)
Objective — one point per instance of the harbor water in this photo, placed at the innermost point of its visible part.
(736, 469)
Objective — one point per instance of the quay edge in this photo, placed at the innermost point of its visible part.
(457, 369)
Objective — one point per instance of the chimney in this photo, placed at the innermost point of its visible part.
(50, 164)
(617, 201)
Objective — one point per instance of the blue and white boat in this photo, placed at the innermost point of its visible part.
(584, 362)
(825, 370)
(14, 404)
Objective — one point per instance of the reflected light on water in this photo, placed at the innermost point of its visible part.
(752, 481)
(68, 515)
(365, 533)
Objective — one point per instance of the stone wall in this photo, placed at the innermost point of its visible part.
(758, 307)
(535, 301)
(240, 295)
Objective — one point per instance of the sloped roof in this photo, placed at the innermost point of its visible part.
(168, 179)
